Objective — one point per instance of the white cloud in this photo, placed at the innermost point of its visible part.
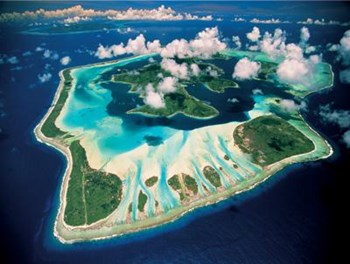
(333, 47)
(212, 73)
(177, 48)
(103, 52)
(257, 92)
(344, 48)
(77, 13)
(167, 85)
(246, 69)
(254, 35)
(237, 41)
(38, 49)
(12, 60)
(292, 71)
(27, 53)
(195, 69)
(346, 138)
(344, 76)
(296, 69)
(239, 19)
(323, 22)
(268, 21)
(134, 46)
(338, 117)
(75, 19)
(178, 70)
(274, 45)
(45, 77)
(125, 30)
(289, 105)
(152, 98)
(206, 44)
(232, 100)
(48, 54)
(65, 60)
(304, 34)
(310, 49)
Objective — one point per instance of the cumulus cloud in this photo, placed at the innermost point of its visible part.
(346, 138)
(344, 76)
(206, 44)
(125, 30)
(337, 117)
(246, 69)
(195, 69)
(65, 60)
(38, 49)
(332, 47)
(295, 69)
(48, 54)
(232, 100)
(152, 98)
(12, 60)
(45, 77)
(344, 48)
(237, 41)
(178, 70)
(323, 22)
(254, 35)
(77, 13)
(340, 118)
(75, 19)
(212, 72)
(310, 49)
(274, 45)
(26, 53)
(167, 85)
(289, 105)
(304, 34)
(257, 92)
(268, 21)
(292, 71)
(134, 46)
(239, 19)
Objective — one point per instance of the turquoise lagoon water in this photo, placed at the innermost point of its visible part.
(87, 113)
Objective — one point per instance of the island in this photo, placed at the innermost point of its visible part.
(129, 165)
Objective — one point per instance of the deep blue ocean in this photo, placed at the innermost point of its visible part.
(295, 217)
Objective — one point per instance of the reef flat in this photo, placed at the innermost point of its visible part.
(125, 173)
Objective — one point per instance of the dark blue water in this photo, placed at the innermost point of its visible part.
(296, 217)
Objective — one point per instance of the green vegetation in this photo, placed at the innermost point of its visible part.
(49, 128)
(191, 184)
(179, 101)
(150, 73)
(174, 183)
(269, 139)
(142, 201)
(266, 69)
(92, 195)
(212, 176)
(151, 181)
(217, 84)
(226, 158)
(184, 185)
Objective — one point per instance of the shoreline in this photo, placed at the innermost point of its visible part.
(162, 218)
